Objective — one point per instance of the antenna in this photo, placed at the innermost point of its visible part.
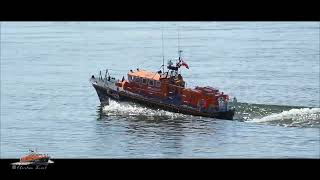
(179, 41)
(162, 52)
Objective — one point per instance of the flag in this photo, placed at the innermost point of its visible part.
(184, 64)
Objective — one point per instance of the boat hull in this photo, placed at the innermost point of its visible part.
(105, 93)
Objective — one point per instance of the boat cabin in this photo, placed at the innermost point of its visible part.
(154, 84)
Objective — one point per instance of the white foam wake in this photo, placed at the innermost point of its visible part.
(128, 109)
(293, 116)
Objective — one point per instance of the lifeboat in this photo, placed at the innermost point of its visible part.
(34, 157)
(164, 89)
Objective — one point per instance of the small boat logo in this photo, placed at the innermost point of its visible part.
(33, 160)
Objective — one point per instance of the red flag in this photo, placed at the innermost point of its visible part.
(184, 64)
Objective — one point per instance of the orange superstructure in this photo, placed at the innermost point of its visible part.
(166, 85)
(144, 74)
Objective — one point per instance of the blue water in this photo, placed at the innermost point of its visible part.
(48, 103)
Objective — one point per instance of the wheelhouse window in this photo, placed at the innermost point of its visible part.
(144, 81)
(151, 83)
(137, 79)
(158, 84)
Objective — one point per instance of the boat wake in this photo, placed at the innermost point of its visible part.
(304, 117)
(288, 116)
(130, 109)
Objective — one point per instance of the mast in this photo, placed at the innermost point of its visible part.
(179, 51)
(162, 52)
(179, 42)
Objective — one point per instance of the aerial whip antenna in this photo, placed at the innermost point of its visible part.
(179, 51)
(179, 42)
(162, 52)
